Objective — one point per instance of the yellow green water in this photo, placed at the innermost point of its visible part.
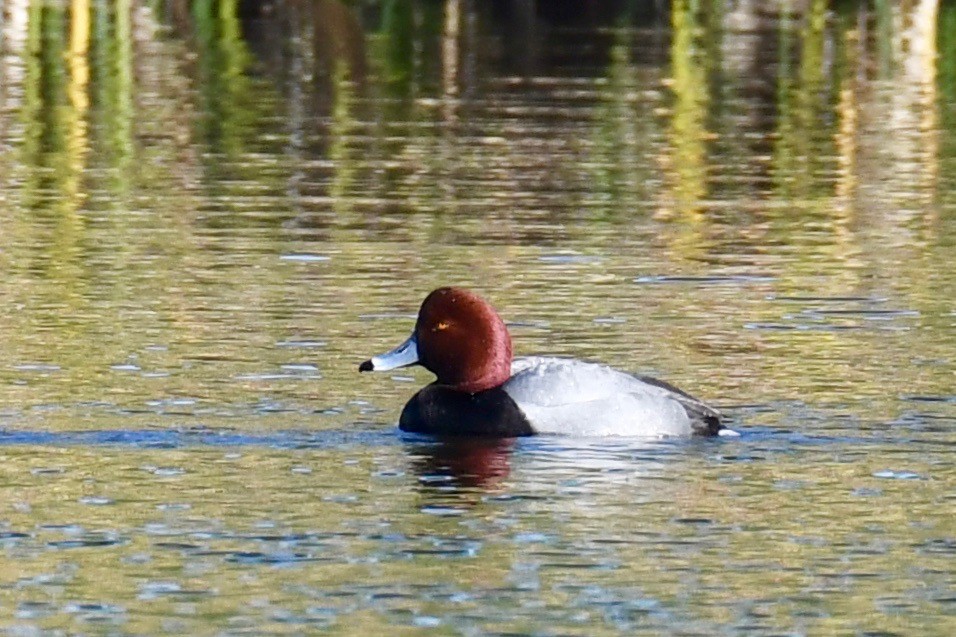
(211, 216)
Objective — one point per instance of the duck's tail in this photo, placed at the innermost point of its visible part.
(708, 424)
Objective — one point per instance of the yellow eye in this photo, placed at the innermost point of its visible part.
(441, 325)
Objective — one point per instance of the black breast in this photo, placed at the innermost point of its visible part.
(440, 411)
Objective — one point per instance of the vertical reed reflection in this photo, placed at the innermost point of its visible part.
(118, 79)
(343, 127)
(625, 128)
(686, 161)
(79, 99)
(226, 86)
(450, 48)
(889, 174)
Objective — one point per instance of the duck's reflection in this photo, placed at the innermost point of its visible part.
(462, 462)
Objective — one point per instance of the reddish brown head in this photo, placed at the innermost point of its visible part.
(463, 340)
(460, 338)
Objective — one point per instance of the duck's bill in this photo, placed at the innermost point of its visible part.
(402, 356)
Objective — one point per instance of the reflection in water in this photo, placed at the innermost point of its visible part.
(687, 165)
(908, 155)
(203, 199)
(462, 462)
(394, 146)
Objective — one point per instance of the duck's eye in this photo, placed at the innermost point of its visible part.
(441, 325)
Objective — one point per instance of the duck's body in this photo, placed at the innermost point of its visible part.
(480, 391)
(561, 395)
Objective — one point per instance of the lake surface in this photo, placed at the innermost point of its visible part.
(212, 213)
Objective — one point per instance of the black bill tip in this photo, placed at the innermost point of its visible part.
(366, 366)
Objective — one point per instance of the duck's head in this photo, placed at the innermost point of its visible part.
(459, 337)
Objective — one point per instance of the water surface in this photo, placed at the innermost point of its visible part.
(213, 214)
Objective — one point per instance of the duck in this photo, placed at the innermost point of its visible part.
(481, 390)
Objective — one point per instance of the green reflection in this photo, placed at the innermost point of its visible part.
(804, 134)
(229, 104)
(397, 45)
(342, 151)
(80, 113)
(115, 88)
(688, 134)
(946, 60)
(623, 135)
(405, 53)
(885, 34)
(55, 144)
(946, 78)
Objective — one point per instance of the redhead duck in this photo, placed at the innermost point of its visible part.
(481, 391)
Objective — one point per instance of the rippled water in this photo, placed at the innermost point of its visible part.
(212, 214)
